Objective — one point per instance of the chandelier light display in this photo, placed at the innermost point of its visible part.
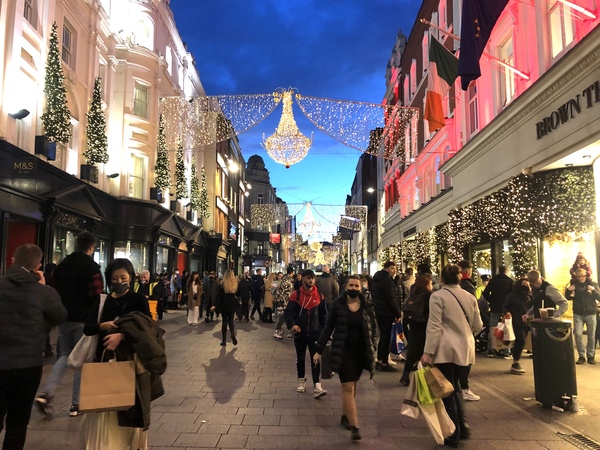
(385, 131)
(287, 145)
(309, 225)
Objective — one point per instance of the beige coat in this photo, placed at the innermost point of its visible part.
(268, 294)
(449, 336)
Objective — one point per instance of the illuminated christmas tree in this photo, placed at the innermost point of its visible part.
(195, 188)
(162, 172)
(97, 142)
(180, 181)
(57, 118)
(204, 211)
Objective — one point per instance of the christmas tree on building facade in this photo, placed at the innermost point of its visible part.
(97, 142)
(162, 171)
(204, 211)
(195, 187)
(180, 181)
(56, 119)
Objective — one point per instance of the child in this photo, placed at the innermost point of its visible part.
(580, 263)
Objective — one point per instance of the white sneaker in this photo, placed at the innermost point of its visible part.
(469, 396)
(301, 385)
(278, 334)
(393, 363)
(319, 391)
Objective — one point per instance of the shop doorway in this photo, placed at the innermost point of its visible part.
(19, 233)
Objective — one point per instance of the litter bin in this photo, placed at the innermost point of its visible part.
(553, 361)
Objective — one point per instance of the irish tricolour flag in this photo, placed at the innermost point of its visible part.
(443, 67)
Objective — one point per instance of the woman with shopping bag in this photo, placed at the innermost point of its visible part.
(115, 429)
(453, 318)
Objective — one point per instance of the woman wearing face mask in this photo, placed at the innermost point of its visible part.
(128, 432)
(516, 304)
(351, 320)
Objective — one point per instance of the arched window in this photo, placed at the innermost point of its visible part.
(144, 33)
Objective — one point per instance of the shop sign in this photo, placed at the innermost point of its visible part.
(569, 110)
(17, 168)
(274, 238)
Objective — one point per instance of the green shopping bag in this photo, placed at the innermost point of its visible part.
(424, 394)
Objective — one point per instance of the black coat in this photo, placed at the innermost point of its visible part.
(337, 320)
(497, 290)
(244, 290)
(584, 301)
(385, 295)
(226, 302)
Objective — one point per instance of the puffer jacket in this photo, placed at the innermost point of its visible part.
(337, 320)
(327, 286)
(26, 308)
(584, 301)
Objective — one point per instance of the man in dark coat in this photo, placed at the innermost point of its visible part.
(387, 311)
(258, 283)
(327, 286)
(495, 293)
(27, 307)
(79, 282)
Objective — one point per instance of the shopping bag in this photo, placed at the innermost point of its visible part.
(325, 363)
(410, 405)
(397, 339)
(83, 352)
(509, 333)
(499, 331)
(528, 344)
(438, 383)
(424, 393)
(438, 421)
(107, 386)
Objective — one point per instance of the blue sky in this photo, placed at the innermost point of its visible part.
(335, 49)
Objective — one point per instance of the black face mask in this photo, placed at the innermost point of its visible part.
(352, 293)
(119, 288)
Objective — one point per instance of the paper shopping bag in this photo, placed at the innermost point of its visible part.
(424, 393)
(438, 383)
(107, 386)
(438, 421)
(410, 405)
(397, 339)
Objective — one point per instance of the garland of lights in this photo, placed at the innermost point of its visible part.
(180, 179)
(387, 131)
(204, 210)
(555, 206)
(57, 118)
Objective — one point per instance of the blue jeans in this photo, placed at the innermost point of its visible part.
(590, 324)
(69, 335)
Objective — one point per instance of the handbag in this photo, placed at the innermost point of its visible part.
(397, 339)
(410, 405)
(424, 393)
(437, 382)
(107, 386)
(85, 349)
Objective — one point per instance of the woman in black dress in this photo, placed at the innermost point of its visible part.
(353, 348)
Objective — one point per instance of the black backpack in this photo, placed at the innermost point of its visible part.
(416, 308)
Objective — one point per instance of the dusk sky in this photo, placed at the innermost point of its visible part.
(333, 49)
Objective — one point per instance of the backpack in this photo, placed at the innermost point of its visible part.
(415, 308)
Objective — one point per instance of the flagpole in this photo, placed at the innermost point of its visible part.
(523, 75)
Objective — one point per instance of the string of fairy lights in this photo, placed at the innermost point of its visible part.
(387, 131)
(556, 206)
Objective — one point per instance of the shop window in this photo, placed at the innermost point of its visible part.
(136, 176)
(162, 260)
(473, 113)
(136, 252)
(140, 100)
(562, 32)
(68, 44)
(506, 77)
(63, 244)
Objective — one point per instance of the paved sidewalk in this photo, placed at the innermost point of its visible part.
(245, 397)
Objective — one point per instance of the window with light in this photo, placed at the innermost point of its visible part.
(140, 100)
(560, 21)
